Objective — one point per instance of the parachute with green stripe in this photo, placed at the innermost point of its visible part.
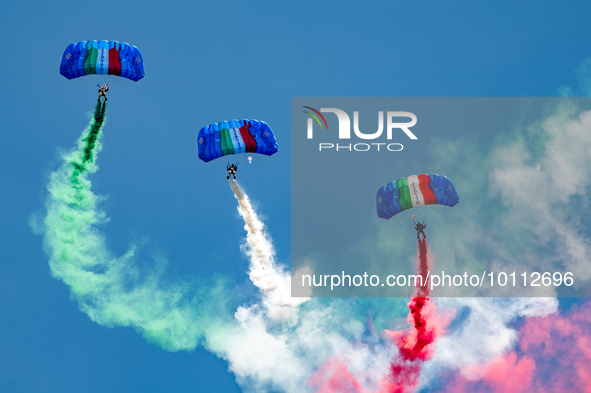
(102, 58)
(235, 137)
(415, 191)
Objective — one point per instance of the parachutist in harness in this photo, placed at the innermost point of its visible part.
(419, 228)
(231, 171)
(102, 91)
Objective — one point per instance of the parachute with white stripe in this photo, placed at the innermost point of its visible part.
(415, 191)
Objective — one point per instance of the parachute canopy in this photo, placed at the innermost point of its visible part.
(236, 137)
(103, 58)
(414, 191)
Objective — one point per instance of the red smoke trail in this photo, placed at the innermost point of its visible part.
(423, 267)
(414, 345)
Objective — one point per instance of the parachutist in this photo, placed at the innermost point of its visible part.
(231, 171)
(103, 91)
(419, 228)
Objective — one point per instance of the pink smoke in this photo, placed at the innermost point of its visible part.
(334, 376)
(554, 356)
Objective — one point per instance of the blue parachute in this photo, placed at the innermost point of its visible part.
(102, 58)
(415, 191)
(236, 137)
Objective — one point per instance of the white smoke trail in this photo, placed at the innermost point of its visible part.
(277, 345)
(273, 280)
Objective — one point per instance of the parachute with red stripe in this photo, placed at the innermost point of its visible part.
(236, 137)
(415, 191)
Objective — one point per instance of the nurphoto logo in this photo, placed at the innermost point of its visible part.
(392, 123)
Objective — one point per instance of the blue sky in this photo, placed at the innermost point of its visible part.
(205, 62)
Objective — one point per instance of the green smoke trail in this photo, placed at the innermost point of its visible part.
(112, 291)
(96, 127)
